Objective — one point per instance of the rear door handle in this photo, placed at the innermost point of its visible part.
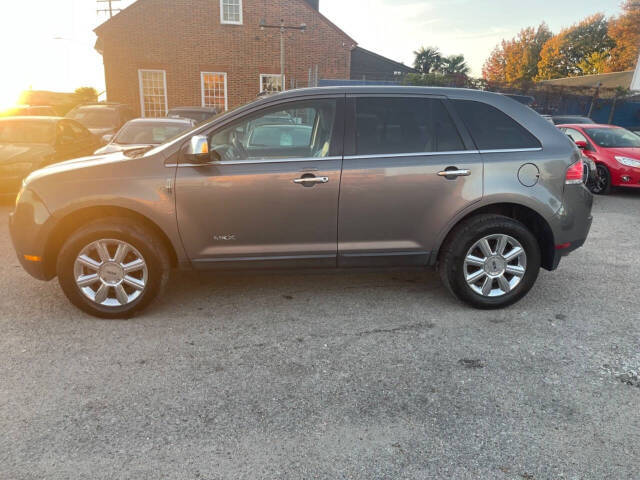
(311, 180)
(455, 173)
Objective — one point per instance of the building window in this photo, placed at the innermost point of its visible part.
(270, 83)
(214, 90)
(153, 93)
(231, 11)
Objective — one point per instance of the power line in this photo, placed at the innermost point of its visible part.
(108, 8)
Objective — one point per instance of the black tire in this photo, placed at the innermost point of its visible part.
(602, 184)
(461, 240)
(153, 251)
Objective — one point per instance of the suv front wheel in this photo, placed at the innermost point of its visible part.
(112, 268)
(490, 261)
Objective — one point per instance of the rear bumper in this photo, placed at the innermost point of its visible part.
(573, 222)
(29, 226)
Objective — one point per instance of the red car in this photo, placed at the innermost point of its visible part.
(615, 150)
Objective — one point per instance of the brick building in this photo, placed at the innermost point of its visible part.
(163, 53)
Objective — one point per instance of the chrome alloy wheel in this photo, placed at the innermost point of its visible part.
(495, 265)
(111, 273)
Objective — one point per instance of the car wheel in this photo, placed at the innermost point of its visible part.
(602, 184)
(490, 261)
(113, 268)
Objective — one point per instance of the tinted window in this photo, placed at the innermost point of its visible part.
(491, 129)
(299, 130)
(404, 125)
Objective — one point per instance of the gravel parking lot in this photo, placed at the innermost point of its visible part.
(331, 375)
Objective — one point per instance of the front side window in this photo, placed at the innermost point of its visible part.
(613, 137)
(397, 125)
(492, 129)
(299, 130)
(214, 90)
(270, 83)
(231, 11)
(153, 93)
(575, 135)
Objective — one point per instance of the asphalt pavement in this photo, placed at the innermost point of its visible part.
(331, 375)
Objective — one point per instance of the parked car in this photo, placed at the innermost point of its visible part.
(102, 118)
(29, 143)
(145, 132)
(30, 111)
(472, 182)
(615, 150)
(199, 114)
(590, 170)
(575, 119)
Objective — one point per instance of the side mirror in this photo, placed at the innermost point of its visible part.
(197, 150)
(582, 145)
(107, 138)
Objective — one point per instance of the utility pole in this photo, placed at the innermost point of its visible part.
(109, 8)
(283, 30)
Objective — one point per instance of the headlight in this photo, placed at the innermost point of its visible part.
(629, 162)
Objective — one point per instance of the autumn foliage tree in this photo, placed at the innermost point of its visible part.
(625, 32)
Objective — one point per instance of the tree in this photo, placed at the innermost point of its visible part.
(515, 61)
(565, 53)
(454, 65)
(428, 60)
(86, 95)
(625, 32)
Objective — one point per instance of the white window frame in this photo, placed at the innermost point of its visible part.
(226, 96)
(226, 22)
(282, 79)
(141, 89)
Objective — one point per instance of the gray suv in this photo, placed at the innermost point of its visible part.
(473, 183)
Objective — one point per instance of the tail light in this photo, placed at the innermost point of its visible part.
(574, 173)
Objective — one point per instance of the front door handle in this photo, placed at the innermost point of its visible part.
(453, 173)
(311, 180)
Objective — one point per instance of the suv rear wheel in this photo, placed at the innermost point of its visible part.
(112, 268)
(490, 261)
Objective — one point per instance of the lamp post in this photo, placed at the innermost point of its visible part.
(283, 29)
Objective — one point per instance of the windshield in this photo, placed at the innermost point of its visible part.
(193, 115)
(27, 132)
(613, 137)
(95, 117)
(149, 133)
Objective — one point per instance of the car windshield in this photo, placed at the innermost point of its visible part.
(27, 132)
(151, 133)
(613, 137)
(574, 120)
(193, 115)
(95, 117)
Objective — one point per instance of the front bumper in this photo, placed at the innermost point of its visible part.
(626, 177)
(30, 226)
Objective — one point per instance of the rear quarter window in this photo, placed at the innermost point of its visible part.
(492, 129)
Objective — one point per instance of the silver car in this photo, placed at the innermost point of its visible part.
(473, 183)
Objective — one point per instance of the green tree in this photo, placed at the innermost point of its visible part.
(428, 60)
(86, 95)
(454, 65)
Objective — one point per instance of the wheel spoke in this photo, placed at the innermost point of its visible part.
(121, 253)
(88, 262)
(101, 294)
(475, 261)
(516, 270)
(134, 282)
(485, 247)
(502, 244)
(103, 252)
(513, 253)
(86, 280)
(486, 286)
(137, 264)
(475, 276)
(504, 284)
(121, 295)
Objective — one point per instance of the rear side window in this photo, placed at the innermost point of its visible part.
(404, 125)
(492, 129)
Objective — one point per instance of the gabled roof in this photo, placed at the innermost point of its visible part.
(140, 3)
(400, 66)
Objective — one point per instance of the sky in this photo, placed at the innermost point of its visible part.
(48, 44)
